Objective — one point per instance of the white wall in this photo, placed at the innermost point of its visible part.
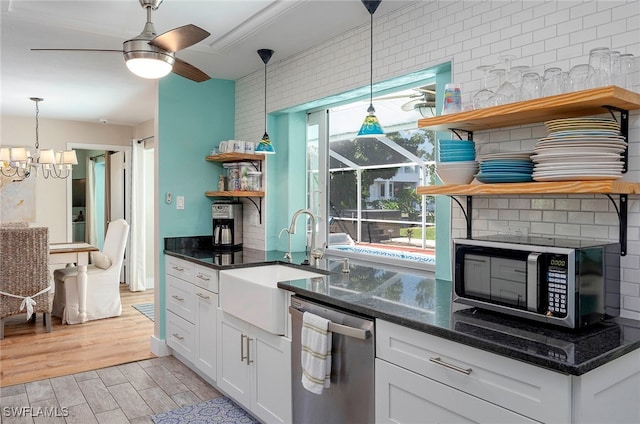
(469, 34)
(51, 194)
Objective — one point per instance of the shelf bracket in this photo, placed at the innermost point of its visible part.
(624, 131)
(621, 211)
(469, 133)
(467, 213)
(258, 207)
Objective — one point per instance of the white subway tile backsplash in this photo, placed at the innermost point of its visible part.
(580, 217)
(629, 289)
(542, 228)
(543, 203)
(554, 216)
(567, 230)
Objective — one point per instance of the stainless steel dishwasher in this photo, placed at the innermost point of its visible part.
(350, 398)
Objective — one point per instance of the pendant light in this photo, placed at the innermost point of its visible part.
(265, 147)
(371, 127)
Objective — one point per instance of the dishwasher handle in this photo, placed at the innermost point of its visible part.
(344, 330)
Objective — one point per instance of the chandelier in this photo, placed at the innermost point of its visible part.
(20, 163)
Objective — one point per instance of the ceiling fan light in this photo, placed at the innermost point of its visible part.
(149, 68)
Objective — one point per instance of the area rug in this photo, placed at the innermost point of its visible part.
(145, 309)
(219, 410)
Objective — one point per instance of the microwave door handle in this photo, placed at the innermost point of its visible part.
(532, 281)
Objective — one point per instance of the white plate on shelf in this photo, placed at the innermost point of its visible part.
(577, 165)
(576, 177)
(578, 151)
(576, 157)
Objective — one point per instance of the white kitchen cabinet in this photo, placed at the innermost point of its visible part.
(192, 301)
(254, 368)
(403, 396)
(418, 373)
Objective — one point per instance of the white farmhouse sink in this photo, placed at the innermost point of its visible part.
(252, 294)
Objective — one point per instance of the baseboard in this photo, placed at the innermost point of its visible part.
(159, 347)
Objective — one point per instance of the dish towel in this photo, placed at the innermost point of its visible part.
(316, 353)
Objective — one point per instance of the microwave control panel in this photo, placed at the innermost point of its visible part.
(556, 279)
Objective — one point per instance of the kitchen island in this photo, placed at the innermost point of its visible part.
(510, 366)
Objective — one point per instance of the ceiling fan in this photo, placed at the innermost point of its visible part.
(424, 102)
(153, 56)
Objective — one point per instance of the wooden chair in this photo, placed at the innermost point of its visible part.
(25, 283)
(103, 280)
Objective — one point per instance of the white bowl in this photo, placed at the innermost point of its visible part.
(457, 164)
(462, 175)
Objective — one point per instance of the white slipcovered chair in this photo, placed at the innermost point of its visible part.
(103, 280)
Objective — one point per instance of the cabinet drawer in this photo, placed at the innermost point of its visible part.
(406, 397)
(207, 278)
(181, 298)
(178, 268)
(529, 390)
(180, 335)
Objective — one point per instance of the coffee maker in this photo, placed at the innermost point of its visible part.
(227, 225)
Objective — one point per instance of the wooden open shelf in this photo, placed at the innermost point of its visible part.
(568, 105)
(234, 193)
(234, 157)
(559, 187)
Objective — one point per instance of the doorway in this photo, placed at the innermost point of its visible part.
(108, 173)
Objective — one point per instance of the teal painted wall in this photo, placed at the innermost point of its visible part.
(443, 203)
(286, 180)
(192, 119)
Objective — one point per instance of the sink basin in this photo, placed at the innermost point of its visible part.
(252, 294)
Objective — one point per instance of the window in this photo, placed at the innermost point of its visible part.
(371, 182)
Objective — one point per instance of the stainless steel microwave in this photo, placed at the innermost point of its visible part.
(568, 283)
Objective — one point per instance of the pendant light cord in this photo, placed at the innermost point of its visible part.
(371, 68)
(265, 98)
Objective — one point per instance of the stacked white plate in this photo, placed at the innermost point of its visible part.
(579, 149)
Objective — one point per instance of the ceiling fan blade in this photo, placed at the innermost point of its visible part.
(179, 38)
(189, 71)
(409, 106)
(76, 50)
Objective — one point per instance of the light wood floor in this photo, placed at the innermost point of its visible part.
(28, 353)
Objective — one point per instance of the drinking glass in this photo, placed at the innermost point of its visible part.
(627, 70)
(616, 74)
(515, 77)
(506, 91)
(530, 86)
(483, 97)
(552, 82)
(580, 77)
(600, 61)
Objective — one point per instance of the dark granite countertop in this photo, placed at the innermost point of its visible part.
(415, 299)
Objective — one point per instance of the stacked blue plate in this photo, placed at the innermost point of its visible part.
(456, 150)
(505, 170)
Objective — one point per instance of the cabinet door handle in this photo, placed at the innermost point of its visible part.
(439, 361)
(200, 295)
(203, 277)
(178, 268)
(178, 298)
(177, 336)
(249, 360)
(242, 357)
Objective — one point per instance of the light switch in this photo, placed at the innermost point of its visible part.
(179, 202)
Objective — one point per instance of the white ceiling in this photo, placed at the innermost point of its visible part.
(92, 86)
